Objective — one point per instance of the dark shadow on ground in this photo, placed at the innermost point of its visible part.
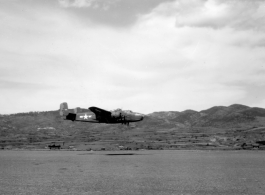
(114, 154)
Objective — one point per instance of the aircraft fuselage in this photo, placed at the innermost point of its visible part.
(98, 115)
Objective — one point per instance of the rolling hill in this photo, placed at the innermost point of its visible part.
(220, 127)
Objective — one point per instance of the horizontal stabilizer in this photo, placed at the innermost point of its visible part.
(71, 116)
(65, 112)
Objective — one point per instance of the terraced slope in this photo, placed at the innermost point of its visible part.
(233, 127)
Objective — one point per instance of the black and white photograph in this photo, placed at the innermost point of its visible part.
(132, 97)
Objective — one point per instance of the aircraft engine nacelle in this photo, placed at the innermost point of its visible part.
(115, 114)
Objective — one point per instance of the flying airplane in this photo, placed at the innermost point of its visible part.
(98, 115)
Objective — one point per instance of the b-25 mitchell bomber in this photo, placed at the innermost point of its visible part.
(98, 115)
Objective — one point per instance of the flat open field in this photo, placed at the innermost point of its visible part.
(137, 172)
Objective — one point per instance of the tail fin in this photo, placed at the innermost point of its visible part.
(64, 109)
(77, 110)
(65, 112)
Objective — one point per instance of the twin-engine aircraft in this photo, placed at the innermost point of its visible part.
(98, 115)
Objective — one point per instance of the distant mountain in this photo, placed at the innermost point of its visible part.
(216, 116)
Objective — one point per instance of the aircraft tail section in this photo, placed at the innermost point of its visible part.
(77, 110)
(64, 109)
(65, 112)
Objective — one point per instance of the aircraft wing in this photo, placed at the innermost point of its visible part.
(101, 114)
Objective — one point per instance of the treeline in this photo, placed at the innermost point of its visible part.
(31, 113)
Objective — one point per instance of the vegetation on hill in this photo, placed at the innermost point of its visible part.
(233, 127)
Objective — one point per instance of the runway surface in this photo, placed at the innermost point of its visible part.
(134, 172)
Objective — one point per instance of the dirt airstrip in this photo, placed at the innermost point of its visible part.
(132, 172)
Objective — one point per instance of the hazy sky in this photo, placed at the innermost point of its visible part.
(142, 55)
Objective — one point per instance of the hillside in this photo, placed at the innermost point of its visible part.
(233, 127)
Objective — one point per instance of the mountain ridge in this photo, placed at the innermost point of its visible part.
(236, 124)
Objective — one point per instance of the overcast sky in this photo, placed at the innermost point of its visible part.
(141, 55)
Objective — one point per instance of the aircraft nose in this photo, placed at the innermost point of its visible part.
(139, 116)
